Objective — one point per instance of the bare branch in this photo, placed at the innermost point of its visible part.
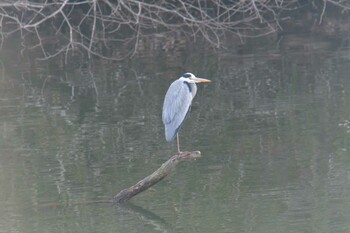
(94, 24)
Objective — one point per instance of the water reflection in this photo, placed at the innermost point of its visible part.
(147, 219)
(272, 128)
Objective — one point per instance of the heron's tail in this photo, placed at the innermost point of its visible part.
(170, 134)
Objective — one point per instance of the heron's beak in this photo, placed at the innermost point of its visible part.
(200, 80)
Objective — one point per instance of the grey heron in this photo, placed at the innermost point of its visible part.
(177, 104)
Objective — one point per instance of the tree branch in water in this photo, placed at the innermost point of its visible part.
(155, 177)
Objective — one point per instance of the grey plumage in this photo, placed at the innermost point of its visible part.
(177, 104)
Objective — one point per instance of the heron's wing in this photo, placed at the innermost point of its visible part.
(176, 105)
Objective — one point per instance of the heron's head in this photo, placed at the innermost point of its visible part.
(191, 78)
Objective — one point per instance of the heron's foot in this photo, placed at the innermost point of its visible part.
(189, 155)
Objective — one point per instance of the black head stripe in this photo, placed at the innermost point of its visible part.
(186, 75)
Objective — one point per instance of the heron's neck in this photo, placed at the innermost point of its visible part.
(192, 87)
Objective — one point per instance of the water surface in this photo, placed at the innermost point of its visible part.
(273, 128)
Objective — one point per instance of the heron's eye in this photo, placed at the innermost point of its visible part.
(187, 75)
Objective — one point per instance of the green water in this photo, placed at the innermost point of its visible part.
(273, 128)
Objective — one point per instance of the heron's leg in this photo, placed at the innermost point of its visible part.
(178, 143)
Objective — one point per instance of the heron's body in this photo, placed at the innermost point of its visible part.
(177, 104)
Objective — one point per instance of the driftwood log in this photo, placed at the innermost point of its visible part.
(156, 176)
